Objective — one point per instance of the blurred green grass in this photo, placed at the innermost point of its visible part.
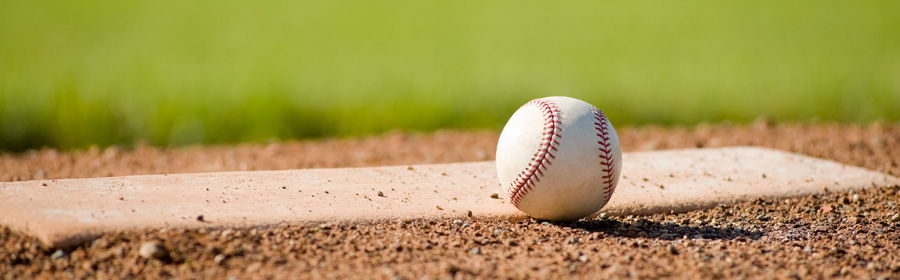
(76, 73)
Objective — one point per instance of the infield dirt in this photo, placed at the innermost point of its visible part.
(837, 235)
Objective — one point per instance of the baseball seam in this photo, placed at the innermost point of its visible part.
(551, 135)
(601, 123)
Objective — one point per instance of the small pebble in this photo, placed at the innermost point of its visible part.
(153, 250)
(254, 267)
(58, 254)
(495, 196)
(475, 251)
(895, 218)
(117, 252)
(583, 258)
(469, 213)
(381, 194)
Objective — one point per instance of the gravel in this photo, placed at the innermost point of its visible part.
(846, 235)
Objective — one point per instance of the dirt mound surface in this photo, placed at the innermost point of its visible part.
(838, 235)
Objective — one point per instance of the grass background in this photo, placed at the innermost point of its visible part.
(77, 73)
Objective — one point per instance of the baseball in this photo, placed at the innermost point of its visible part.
(558, 159)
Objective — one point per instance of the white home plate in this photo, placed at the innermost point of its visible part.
(67, 212)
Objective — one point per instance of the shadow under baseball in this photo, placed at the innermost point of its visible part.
(643, 228)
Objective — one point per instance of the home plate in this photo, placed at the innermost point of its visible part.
(67, 212)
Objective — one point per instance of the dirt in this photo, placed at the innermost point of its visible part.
(837, 235)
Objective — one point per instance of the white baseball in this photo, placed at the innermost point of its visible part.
(558, 159)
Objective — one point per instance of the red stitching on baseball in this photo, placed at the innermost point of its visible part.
(609, 166)
(523, 184)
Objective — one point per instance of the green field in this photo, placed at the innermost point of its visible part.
(76, 73)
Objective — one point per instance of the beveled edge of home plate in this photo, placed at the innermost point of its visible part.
(70, 211)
